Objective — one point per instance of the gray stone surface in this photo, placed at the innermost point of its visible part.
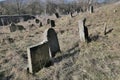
(51, 36)
(38, 56)
(53, 41)
(91, 9)
(83, 31)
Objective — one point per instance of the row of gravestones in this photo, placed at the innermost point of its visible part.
(13, 27)
(6, 20)
(41, 54)
(90, 9)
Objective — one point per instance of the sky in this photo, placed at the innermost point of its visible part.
(73, 0)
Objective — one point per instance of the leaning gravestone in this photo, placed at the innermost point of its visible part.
(57, 15)
(83, 31)
(38, 56)
(51, 36)
(52, 23)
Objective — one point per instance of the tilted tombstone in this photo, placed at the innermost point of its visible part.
(51, 36)
(38, 56)
(83, 31)
(91, 9)
(57, 15)
(52, 23)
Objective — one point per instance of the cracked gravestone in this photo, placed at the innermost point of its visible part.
(38, 56)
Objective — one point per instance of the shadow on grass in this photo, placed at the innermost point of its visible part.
(109, 31)
(67, 54)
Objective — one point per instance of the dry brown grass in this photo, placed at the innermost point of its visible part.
(97, 60)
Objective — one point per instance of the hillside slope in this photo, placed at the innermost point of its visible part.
(97, 60)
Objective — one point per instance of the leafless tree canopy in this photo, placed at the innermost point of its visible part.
(34, 7)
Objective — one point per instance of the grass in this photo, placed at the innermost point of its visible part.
(97, 60)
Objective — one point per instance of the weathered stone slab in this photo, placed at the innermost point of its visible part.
(83, 31)
(51, 36)
(91, 9)
(14, 27)
(8, 19)
(38, 56)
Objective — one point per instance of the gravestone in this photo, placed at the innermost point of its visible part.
(2, 21)
(37, 21)
(7, 19)
(38, 56)
(51, 36)
(13, 27)
(71, 14)
(52, 23)
(41, 24)
(83, 31)
(48, 21)
(105, 30)
(91, 9)
(57, 15)
(20, 27)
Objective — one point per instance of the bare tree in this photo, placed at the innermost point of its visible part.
(19, 4)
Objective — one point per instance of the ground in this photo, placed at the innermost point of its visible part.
(96, 60)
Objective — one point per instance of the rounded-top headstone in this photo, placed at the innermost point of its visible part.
(50, 35)
(53, 41)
